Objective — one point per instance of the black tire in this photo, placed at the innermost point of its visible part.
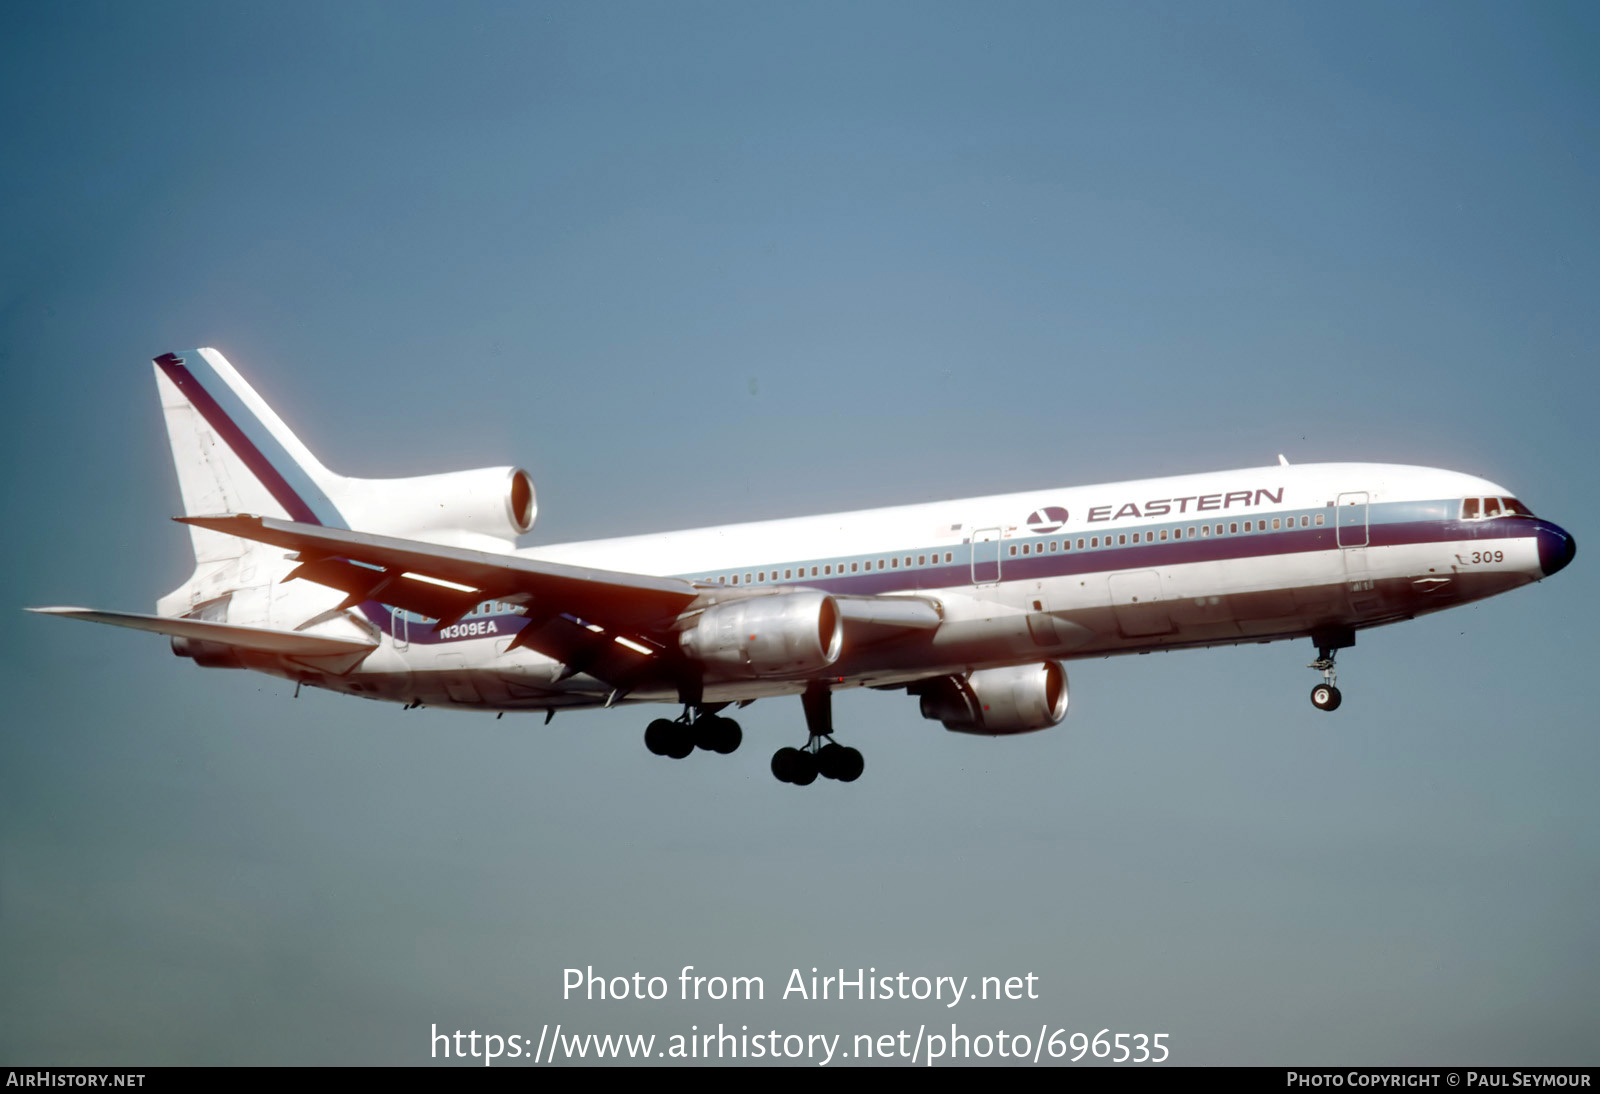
(852, 764)
(830, 760)
(705, 731)
(680, 742)
(1326, 697)
(728, 738)
(804, 772)
(657, 736)
(783, 764)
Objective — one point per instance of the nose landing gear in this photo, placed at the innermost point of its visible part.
(1325, 696)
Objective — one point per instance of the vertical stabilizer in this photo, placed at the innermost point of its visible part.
(233, 454)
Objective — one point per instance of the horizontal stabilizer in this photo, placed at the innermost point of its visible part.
(261, 639)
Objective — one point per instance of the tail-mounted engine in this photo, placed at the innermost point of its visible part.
(1019, 699)
(777, 635)
(454, 508)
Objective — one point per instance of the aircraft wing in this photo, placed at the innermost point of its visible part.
(617, 627)
(577, 615)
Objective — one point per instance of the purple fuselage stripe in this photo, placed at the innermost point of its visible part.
(1143, 556)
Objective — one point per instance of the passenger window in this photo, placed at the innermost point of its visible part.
(762, 576)
(947, 556)
(1233, 529)
(1205, 529)
(827, 569)
(1013, 550)
(1219, 529)
(1052, 546)
(908, 560)
(736, 579)
(1305, 522)
(1080, 544)
(894, 564)
(853, 567)
(813, 571)
(1319, 520)
(880, 564)
(1163, 535)
(869, 565)
(1191, 533)
(723, 580)
(922, 560)
(1276, 523)
(1491, 507)
(786, 575)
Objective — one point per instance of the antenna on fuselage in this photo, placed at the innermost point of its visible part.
(1281, 461)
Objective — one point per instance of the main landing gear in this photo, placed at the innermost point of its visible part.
(831, 760)
(695, 728)
(1325, 696)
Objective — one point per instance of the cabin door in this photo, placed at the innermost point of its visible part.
(986, 556)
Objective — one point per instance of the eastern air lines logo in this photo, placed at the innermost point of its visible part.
(1046, 520)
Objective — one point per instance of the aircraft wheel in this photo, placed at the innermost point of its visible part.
(830, 761)
(680, 740)
(1326, 697)
(851, 765)
(730, 737)
(658, 737)
(804, 771)
(783, 764)
(705, 731)
(715, 733)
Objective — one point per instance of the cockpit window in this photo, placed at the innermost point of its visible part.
(1484, 508)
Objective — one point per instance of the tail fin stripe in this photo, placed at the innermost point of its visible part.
(308, 504)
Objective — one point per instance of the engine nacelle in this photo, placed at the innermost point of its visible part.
(457, 508)
(775, 635)
(1019, 699)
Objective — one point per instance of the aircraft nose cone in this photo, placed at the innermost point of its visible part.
(1556, 548)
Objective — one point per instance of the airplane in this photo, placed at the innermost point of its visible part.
(413, 590)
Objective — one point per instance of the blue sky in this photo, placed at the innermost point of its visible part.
(696, 263)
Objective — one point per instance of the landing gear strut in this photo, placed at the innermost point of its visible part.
(695, 727)
(1325, 696)
(831, 760)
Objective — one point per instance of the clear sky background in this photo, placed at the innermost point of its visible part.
(695, 263)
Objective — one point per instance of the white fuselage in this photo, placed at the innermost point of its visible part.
(1195, 560)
